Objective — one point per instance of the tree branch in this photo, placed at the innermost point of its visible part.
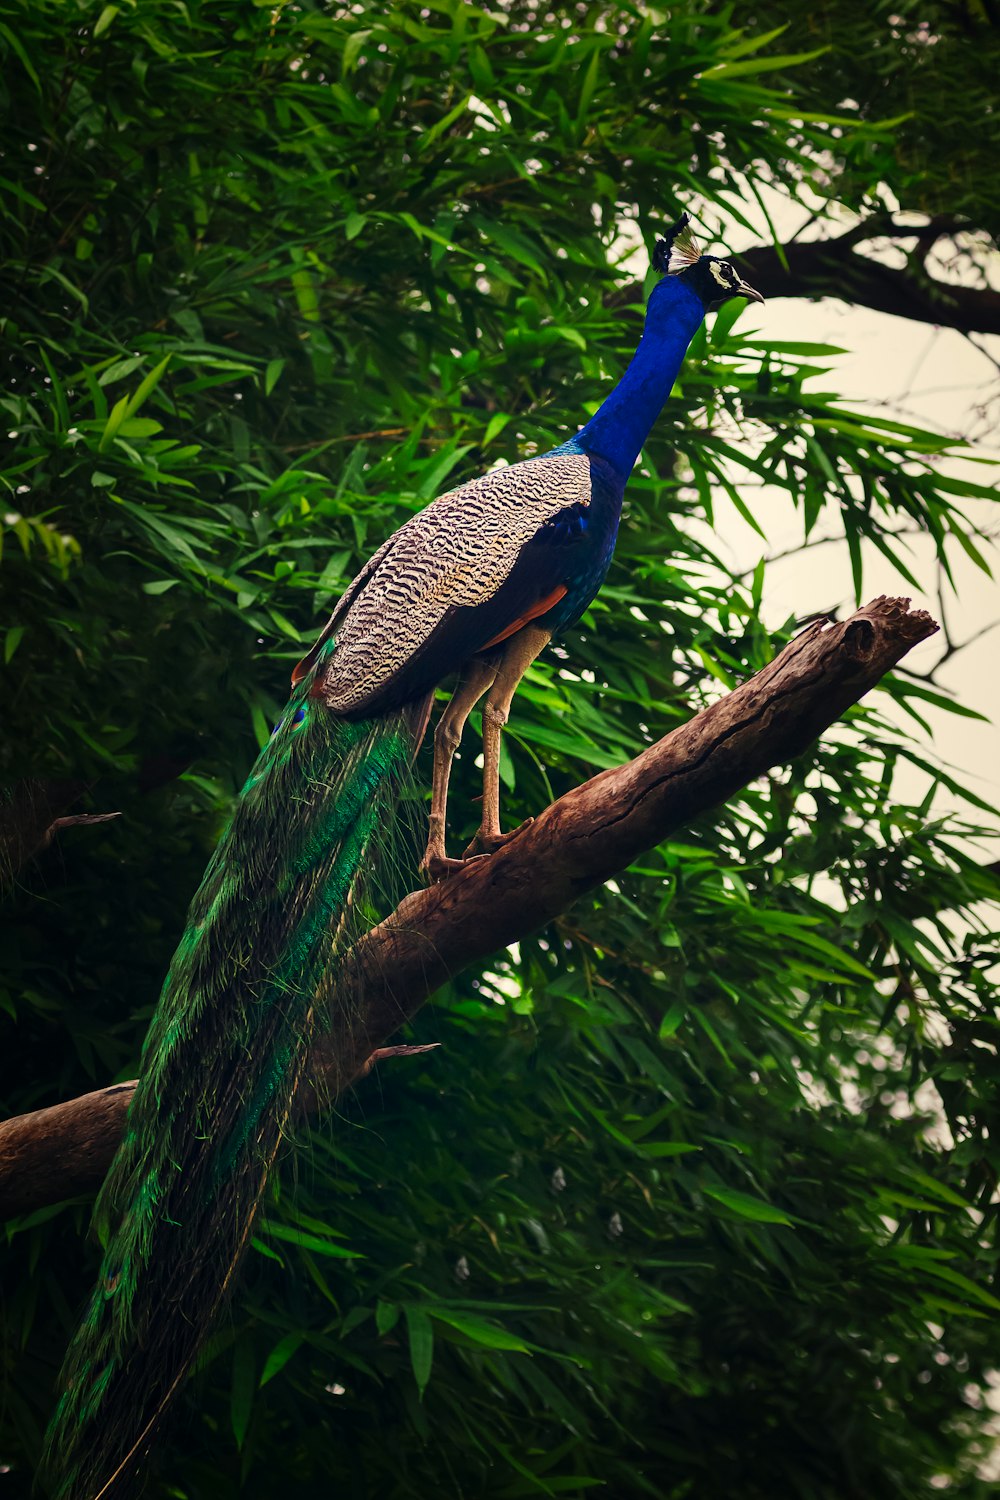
(574, 845)
(33, 810)
(30, 813)
(835, 268)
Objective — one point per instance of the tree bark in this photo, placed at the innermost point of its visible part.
(836, 267)
(574, 845)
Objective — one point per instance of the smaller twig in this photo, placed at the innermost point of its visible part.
(774, 557)
(402, 1049)
(347, 437)
(819, 541)
(982, 349)
(807, 223)
(954, 647)
(75, 820)
(489, 187)
(945, 627)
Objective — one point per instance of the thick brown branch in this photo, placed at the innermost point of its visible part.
(835, 268)
(602, 826)
(65, 1150)
(573, 846)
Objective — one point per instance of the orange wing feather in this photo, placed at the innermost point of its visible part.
(529, 615)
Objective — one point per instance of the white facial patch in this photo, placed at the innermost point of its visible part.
(720, 275)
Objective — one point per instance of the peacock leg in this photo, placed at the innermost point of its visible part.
(519, 653)
(478, 676)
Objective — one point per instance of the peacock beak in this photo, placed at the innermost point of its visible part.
(743, 289)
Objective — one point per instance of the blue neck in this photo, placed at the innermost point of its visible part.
(618, 430)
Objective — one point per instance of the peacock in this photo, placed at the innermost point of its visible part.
(475, 584)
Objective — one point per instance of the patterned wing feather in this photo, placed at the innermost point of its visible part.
(447, 563)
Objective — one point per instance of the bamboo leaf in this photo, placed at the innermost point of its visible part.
(421, 1337)
(746, 1206)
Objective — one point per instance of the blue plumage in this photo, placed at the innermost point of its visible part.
(618, 430)
(477, 583)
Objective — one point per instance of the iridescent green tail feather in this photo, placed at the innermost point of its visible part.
(221, 1064)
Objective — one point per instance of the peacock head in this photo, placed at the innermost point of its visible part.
(713, 279)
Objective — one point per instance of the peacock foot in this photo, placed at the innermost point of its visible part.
(436, 866)
(489, 843)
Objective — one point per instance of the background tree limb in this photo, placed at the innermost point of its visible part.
(575, 844)
(837, 267)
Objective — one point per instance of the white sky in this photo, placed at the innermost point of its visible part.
(930, 377)
(934, 378)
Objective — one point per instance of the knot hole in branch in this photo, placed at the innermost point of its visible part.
(859, 639)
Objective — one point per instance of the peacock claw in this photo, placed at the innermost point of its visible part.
(437, 867)
(489, 843)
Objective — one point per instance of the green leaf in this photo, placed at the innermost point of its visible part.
(725, 319)
(134, 427)
(280, 1355)
(489, 1335)
(672, 1020)
(266, 1251)
(147, 385)
(312, 1242)
(386, 1316)
(20, 52)
(440, 126)
(494, 427)
(12, 639)
(752, 43)
(667, 1148)
(354, 44)
(119, 368)
(435, 473)
(243, 1388)
(116, 417)
(773, 64)
(421, 1338)
(746, 1206)
(589, 83)
(105, 19)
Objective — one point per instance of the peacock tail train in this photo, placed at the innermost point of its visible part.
(477, 582)
(220, 1068)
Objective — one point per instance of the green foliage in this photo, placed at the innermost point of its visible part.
(697, 1199)
(930, 64)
